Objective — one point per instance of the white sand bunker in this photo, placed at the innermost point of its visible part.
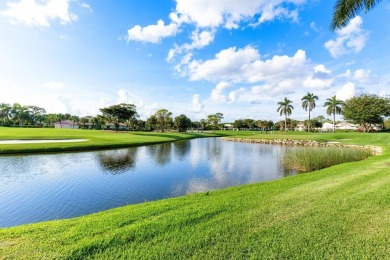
(41, 141)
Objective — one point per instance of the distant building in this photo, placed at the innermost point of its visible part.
(111, 126)
(68, 124)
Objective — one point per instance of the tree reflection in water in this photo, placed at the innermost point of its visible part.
(182, 148)
(161, 153)
(117, 161)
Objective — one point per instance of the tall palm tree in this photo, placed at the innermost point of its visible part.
(345, 10)
(334, 107)
(309, 103)
(285, 108)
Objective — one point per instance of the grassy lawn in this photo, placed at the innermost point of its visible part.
(96, 139)
(339, 212)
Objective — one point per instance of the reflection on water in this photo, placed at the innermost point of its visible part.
(42, 187)
(161, 153)
(117, 161)
(182, 148)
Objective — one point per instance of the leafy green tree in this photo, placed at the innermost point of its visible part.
(214, 120)
(182, 123)
(75, 120)
(151, 123)
(5, 110)
(345, 10)
(36, 114)
(334, 106)
(203, 124)
(119, 113)
(164, 119)
(84, 120)
(285, 108)
(387, 124)
(19, 113)
(309, 103)
(366, 110)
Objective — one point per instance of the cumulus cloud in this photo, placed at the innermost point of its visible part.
(350, 39)
(206, 16)
(245, 65)
(321, 78)
(230, 13)
(152, 33)
(39, 13)
(197, 106)
(217, 94)
(54, 85)
(347, 91)
(199, 39)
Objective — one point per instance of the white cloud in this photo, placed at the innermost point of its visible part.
(217, 94)
(245, 65)
(152, 33)
(230, 13)
(346, 92)
(350, 39)
(321, 78)
(87, 6)
(199, 40)
(54, 85)
(197, 106)
(314, 27)
(39, 13)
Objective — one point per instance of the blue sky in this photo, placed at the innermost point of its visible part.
(195, 57)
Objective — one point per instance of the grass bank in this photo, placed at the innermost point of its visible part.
(338, 212)
(96, 139)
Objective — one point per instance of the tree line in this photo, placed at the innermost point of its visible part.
(365, 110)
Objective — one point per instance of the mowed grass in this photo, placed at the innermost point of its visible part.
(338, 212)
(96, 139)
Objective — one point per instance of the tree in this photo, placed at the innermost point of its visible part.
(214, 119)
(366, 110)
(119, 113)
(151, 123)
(345, 10)
(36, 114)
(182, 123)
(203, 124)
(75, 119)
(19, 113)
(334, 106)
(164, 119)
(309, 103)
(5, 110)
(285, 108)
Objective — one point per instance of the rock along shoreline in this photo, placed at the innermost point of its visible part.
(289, 142)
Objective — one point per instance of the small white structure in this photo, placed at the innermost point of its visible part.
(68, 124)
(300, 127)
(111, 126)
(327, 127)
(346, 126)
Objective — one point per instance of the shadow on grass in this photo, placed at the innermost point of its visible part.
(180, 136)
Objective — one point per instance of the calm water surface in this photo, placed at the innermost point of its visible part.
(36, 188)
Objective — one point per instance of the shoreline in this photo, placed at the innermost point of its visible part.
(375, 150)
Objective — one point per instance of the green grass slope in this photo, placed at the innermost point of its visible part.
(339, 212)
(96, 139)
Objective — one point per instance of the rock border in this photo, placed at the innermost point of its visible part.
(375, 150)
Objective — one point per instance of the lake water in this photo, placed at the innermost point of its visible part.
(36, 188)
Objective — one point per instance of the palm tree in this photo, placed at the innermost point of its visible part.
(345, 10)
(309, 103)
(5, 110)
(285, 108)
(334, 107)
